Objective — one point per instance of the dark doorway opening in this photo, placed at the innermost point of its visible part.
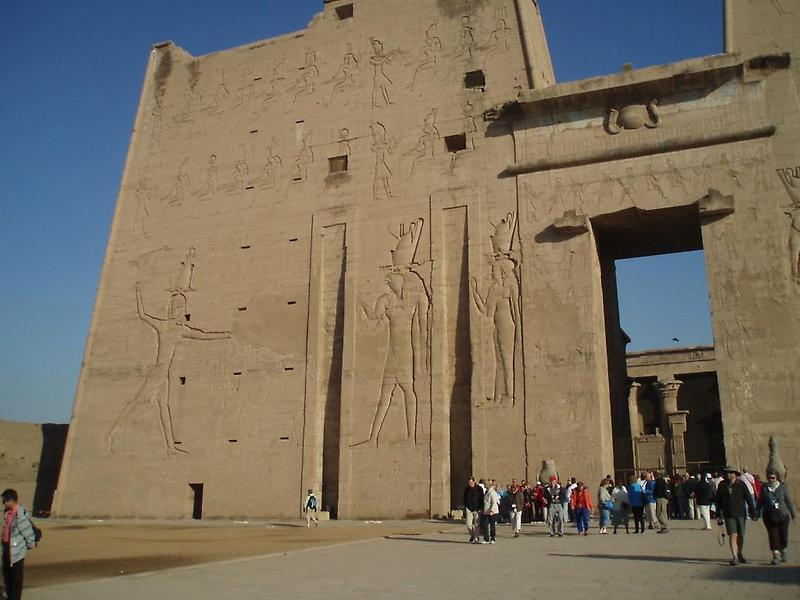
(636, 233)
(197, 500)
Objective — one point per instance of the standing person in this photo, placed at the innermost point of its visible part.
(17, 539)
(704, 495)
(648, 488)
(571, 485)
(537, 502)
(517, 499)
(581, 504)
(310, 508)
(604, 504)
(777, 509)
(621, 506)
(636, 500)
(662, 494)
(473, 504)
(491, 508)
(733, 502)
(553, 496)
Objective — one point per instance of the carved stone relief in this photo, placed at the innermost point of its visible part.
(501, 305)
(633, 116)
(145, 210)
(345, 76)
(405, 309)
(465, 47)
(306, 78)
(381, 147)
(498, 38)
(381, 83)
(790, 177)
(303, 160)
(428, 138)
(272, 165)
(344, 142)
(171, 331)
(273, 86)
(429, 55)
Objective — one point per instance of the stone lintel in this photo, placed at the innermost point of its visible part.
(571, 223)
(646, 148)
(714, 204)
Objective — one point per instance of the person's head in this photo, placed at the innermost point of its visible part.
(580, 486)
(656, 474)
(513, 482)
(642, 475)
(471, 482)
(708, 476)
(731, 474)
(745, 470)
(482, 482)
(553, 480)
(572, 480)
(10, 498)
(620, 483)
(772, 477)
(310, 492)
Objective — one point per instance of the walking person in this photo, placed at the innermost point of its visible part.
(648, 487)
(517, 499)
(553, 496)
(621, 506)
(662, 495)
(569, 488)
(491, 508)
(776, 507)
(605, 505)
(704, 495)
(733, 503)
(17, 539)
(637, 501)
(581, 504)
(473, 504)
(311, 509)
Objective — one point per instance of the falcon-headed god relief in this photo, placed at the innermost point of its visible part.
(501, 304)
(405, 308)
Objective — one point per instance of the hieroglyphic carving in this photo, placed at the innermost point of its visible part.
(758, 163)
(729, 170)
(465, 47)
(676, 178)
(628, 186)
(429, 55)
(170, 333)
(272, 164)
(305, 80)
(470, 127)
(790, 177)
(380, 80)
(405, 308)
(303, 160)
(344, 142)
(177, 198)
(273, 85)
(426, 144)
(633, 116)
(344, 78)
(501, 304)
(182, 283)
(498, 38)
(654, 185)
(381, 146)
(145, 210)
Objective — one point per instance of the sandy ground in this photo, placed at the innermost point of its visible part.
(73, 550)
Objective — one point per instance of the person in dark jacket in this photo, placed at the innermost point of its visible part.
(636, 499)
(777, 509)
(473, 505)
(733, 502)
(553, 496)
(18, 538)
(704, 495)
(662, 494)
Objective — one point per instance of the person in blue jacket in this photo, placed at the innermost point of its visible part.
(637, 500)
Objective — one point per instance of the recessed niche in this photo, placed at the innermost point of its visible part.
(284, 438)
(345, 11)
(292, 239)
(242, 309)
(256, 78)
(291, 302)
(187, 317)
(237, 372)
(474, 79)
(247, 247)
(456, 143)
(254, 131)
(337, 164)
(288, 368)
(183, 380)
(232, 441)
(250, 187)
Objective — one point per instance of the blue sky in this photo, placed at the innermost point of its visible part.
(71, 74)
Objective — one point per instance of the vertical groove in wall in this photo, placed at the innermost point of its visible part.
(457, 363)
(331, 339)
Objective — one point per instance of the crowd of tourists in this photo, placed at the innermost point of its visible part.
(651, 501)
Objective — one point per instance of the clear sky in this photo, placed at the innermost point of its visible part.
(70, 76)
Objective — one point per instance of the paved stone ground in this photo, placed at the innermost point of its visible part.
(687, 562)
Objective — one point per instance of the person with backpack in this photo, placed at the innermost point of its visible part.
(310, 508)
(662, 495)
(776, 508)
(18, 537)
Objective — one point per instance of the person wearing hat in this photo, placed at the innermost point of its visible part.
(777, 509)
(733, 502)
(17, 539)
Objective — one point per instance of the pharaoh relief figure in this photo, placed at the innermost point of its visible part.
(791, 181)
(405, 309)
(501, 304)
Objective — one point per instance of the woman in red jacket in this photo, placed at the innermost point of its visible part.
(581, 503)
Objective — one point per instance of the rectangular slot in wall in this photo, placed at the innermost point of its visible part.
(474, 80)
(456, 143)
(197, 500)
(292, 302)
(292, 239)
(337, 164)
(284, 438)
(288, 368)
(183, 380)
(232, 441)
(345, 11)
(254, 131)
(187, 317)
(242, 309)
(237, 372)
(247, 247)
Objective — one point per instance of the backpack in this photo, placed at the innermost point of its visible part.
(37, 532)
(312, 503)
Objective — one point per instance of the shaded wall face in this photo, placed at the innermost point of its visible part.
(265, 322)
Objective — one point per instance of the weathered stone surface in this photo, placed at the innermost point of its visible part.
(326, 270)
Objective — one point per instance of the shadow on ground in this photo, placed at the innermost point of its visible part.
(661, 558)
(782, 574)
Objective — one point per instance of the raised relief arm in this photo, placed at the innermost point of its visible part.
(422, 323)
(374, 317)
(193, 333)
(154, 322)
(476, 297)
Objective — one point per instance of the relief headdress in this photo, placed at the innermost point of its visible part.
(503, 235)
(407, 242)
